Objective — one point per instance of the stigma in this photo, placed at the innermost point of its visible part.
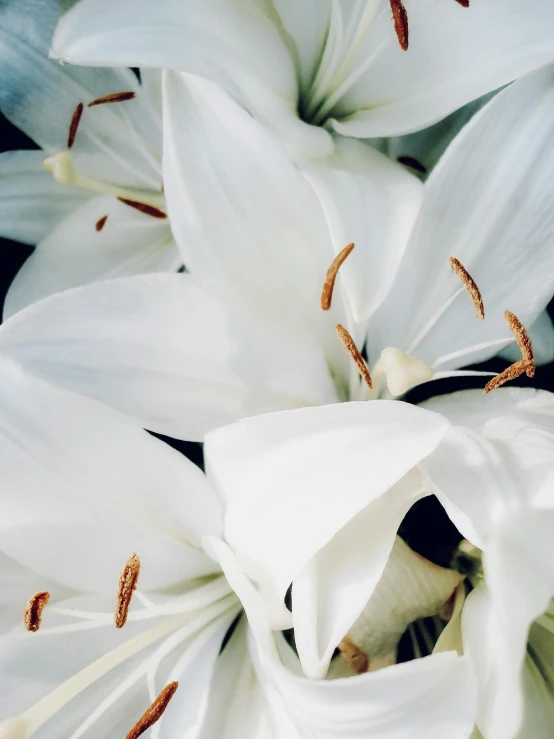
(401, 371)
(64, 173)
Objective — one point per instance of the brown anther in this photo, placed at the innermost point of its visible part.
(33, 613)
(331, 276)
(512, 372)
(113, 97)
(74, 125)
(471, 288)
(524, 365)
(412, 163)
(521, 336)
(101, 222)
(127, 584)
(352, 349)
(149, 210)
(353, 656)
(400, 18)
(154, 713)
(463, 3)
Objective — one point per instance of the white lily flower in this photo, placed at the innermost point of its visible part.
(494, 473)
(306, 68)
(244, 332)
(91, 198)
(83, 490)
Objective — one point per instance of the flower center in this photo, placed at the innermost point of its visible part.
(337, 70)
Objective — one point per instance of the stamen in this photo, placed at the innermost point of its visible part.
(74, 125)
(155, 712)
(471, 288)
(114, 97)
(400, 18)
(524, 365)
(352, 349)
(412, 163)
(33, 613)
(353, 656)
(512, 372)
(331, 276)
(127, 583)
(149, 210)
(521, 336)
(463, 3)
(101, 222)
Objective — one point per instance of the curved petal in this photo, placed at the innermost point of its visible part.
(178, 359)
(504, 243)
(31, 203)
(39, 96)
(431, 697)
(239, 208)
(496, 458)
(74, 472)
(237, 44)
(363, 584)
(77, 252)
(482, 48)
(373, 202)
(496, 620)
(300, 476)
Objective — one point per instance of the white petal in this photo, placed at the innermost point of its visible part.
(482, 48)
(496, 458)
(39, 96)
(31, 203)
(76, 253)
(432, 697)
(176, 358)
(331, 591)
(239, 45)
(83, 489)
(374, 203)
(239, 208)
(300, 476)
(504, 243)
(495, 622)
(541, 333)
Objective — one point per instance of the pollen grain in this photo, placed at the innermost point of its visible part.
(352, 349)
(154, 712)
(127, 584)
(33, 612)
(331, 276)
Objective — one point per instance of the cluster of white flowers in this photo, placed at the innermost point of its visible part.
(259, 225)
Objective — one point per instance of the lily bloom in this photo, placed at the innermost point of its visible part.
(90, 198)
(244, 332)
(306, 69)
(87, 495)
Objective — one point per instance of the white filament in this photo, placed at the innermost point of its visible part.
(64, 173)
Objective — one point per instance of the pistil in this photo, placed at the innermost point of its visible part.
(63, 171)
